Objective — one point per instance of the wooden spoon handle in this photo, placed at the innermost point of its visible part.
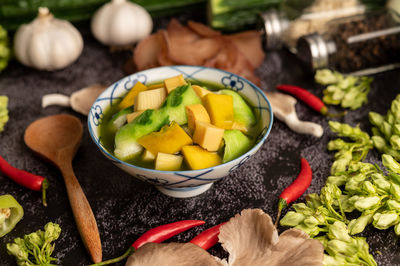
(83, 214)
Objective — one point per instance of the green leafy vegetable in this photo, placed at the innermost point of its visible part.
(3, 112)
(35, 248)
(347, 91)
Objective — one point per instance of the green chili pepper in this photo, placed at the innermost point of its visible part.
(10, 213)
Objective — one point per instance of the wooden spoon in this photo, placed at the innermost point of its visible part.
(57, 138)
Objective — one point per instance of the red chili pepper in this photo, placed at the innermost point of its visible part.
(207, 238)
(296, 189)
(308, 98)
(156, 235)
(23, 178)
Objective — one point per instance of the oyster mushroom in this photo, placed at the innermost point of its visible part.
(283, 106)
(80, 101)
(251, 239)
(172, 254)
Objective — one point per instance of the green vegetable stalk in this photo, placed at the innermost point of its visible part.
(346, 91)
(3, 112)
(234, 15)
(15, 13)
(10, 213)
(35, 248)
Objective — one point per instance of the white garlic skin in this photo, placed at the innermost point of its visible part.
(47, 43)
(121, 23)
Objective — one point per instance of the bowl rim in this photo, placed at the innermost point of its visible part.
(253, 150)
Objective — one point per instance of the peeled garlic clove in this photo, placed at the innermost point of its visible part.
(47, 43)
(55, 99)
(121, 23)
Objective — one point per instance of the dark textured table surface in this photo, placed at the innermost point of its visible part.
(126, 207)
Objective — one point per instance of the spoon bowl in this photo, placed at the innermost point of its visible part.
(57, 138)
(54, 136)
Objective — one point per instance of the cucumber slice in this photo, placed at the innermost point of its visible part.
(119, 119)
(173, 109)
(126, 145)
(236, 144)
(176, 102)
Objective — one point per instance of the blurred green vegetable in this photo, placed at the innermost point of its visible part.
(347, 91)
(3, 112)
(16, 12)
(35, 248)
(386, 130)
(5, 52)
(234, 15)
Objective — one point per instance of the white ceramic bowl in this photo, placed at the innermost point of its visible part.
(189, 183)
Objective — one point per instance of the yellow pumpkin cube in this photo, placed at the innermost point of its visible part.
(200, 91)
(171, 83)
(129, 99)
(196, 112)
(220, 109)
(156, 86)
(170, 139)
(198, 158)
(130, 117)
(168, 162)
(208, 136)
(150, 99)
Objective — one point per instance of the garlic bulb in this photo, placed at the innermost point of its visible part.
(121, 23)
(47, 43)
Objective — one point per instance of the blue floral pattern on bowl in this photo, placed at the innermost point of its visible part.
(233, 82)
(191, 182)
(133, 79)
(96, 114)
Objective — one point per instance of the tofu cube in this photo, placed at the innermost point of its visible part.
(171, 83)
(150, 99)
(148, 156)
(196, 112)
(200, 91)
(168, 162)
(208, 136)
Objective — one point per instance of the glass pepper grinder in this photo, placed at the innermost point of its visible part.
(298, 18)
(363, 44)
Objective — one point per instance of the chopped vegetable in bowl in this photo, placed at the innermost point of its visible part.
(192, 105)
(176, 125)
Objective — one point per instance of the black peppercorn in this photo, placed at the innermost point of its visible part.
(354, 43)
